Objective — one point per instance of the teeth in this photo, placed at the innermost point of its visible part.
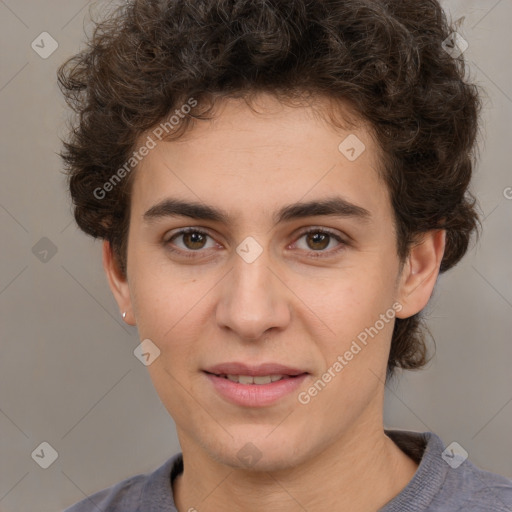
(263, 379)
(247, 379)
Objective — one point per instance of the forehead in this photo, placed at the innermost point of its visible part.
(249, 164)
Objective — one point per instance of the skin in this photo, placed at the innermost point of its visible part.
(284, 307)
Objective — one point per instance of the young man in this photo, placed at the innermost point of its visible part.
(278, 186)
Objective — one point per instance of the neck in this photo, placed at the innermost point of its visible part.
(337, 478)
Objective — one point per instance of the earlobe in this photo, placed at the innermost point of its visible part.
(420, 272)
(118, 283)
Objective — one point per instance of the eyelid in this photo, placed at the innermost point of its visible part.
(320, 229)
(183, 231)
(342, 241)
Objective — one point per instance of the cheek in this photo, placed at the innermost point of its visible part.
(172, 306)
(351, 299)
(157, 291)
(170, 311)
(163, 310)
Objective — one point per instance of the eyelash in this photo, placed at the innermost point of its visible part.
(311, 254)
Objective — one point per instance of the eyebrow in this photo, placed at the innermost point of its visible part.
(332, 207)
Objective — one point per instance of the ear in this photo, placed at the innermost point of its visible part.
(419, 273)
(118, 283)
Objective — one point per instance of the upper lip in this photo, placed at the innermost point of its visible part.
(235, 368)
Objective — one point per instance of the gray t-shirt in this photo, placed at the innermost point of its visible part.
(440, 484)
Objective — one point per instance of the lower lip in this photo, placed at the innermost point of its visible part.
(255, 395)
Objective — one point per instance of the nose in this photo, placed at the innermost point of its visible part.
(253, 299)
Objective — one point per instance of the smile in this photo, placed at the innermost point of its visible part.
(254, 391)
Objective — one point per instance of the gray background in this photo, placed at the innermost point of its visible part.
(68, 375)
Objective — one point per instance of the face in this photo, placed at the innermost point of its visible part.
(290, 260)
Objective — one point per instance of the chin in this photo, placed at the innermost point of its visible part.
(258, 451)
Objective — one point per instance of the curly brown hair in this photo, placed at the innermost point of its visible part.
(384, 58)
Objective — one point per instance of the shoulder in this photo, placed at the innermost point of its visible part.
(131, 494)
(124, 495)
(480, 490)
(446, 480)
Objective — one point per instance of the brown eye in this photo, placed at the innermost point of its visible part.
(194, 240)
(318, 241)
(189, 241)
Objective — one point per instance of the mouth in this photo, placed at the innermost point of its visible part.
(261, 370)
(254, 386)
(256, 380)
